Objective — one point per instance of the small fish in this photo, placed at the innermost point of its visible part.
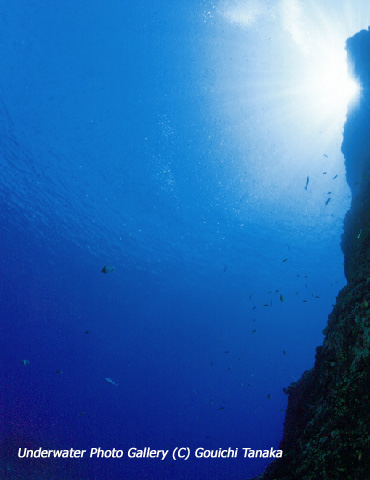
(109, 380)
(269, 396)
(284, 352)
(265, 304)
(25, 362)
(307, 182)
(254, 308)
(87, 332)
(222, 408)
(281, 298)
(359, 235)
(324, 173)
(304, 301)
(317, 296)
(277, 291)
(285, 260)
(253, 331)
(329, 193)
(107, 269)
(336, 176)
(327, 201)
(227, 351)
(59, 372)
(325, 155)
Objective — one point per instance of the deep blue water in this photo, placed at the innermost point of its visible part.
(115, 150)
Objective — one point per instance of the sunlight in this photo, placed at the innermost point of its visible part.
(332, 85)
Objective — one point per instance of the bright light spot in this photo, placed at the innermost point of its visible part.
(332, 84)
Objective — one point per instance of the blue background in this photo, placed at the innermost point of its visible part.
(161, 139)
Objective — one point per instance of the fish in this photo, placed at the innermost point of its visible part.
(59, 372)
(281, 298)
(327, 201)
(285, 260)
(325, 155)
(335, 177)
(359, 235)
(253, 331)
(107, 269)
(109, 380)
(269, 396)
(25, 362)
(307, 182)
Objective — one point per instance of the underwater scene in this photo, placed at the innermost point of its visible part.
(173, 192)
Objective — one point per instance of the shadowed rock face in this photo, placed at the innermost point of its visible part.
(327, 425)
(356, 151)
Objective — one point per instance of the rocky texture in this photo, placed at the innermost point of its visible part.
(327, 425)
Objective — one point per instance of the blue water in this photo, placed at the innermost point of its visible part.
(120, 146)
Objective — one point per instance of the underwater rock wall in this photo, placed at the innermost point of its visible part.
(327, 425)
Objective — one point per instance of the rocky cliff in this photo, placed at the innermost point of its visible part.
(327, 425)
